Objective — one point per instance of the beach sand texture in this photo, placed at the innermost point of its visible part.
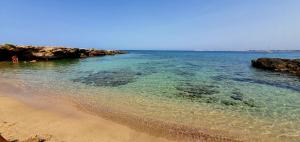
(21, 121)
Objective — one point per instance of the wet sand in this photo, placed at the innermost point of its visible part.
(20, 120)
(59, 118)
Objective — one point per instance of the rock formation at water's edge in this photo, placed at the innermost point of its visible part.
(279, 65)
(28, 53)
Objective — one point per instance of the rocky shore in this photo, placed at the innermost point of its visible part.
(29, 53)
(279, 65)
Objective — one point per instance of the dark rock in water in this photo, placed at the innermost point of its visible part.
(28, 53)
(152, 67)
(139, 73)
(188, 70)
(285, 85)
(148, 68)
(109, 78)
(279, 65)
(196, 91)
(205, 94)
(183, 72)
(211, 99)
(236, 95)
(249, 102)
(229, 102)
(219, 77)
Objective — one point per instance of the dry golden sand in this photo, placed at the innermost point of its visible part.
(61, 122)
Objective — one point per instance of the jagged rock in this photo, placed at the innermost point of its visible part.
(279, 65)
(28, 53)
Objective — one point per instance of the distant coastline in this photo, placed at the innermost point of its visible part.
(276, 51)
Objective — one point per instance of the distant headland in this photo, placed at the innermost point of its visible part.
(275, 51)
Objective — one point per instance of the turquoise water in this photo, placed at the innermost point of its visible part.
(211, 90)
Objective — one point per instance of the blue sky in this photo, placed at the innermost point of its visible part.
(153, 24)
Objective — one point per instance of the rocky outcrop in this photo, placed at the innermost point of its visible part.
(27, 53)
(279, 65)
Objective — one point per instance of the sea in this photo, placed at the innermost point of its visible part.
(198, 95)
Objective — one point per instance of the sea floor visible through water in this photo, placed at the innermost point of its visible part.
(213, 96)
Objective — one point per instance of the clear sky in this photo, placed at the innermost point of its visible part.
(153, 24)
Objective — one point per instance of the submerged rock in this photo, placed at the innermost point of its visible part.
(229, 102)
(28, 53)
(279, 65)
(208, 94)
(249, 102)
(187, 70)
(183, 72)
(148, 68)
(284, 85)
(196, 91)
(212, 99)
(109, 78)
(219, 77)
(236, 95)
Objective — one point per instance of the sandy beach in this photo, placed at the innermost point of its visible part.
(22, 120)
(150, 71)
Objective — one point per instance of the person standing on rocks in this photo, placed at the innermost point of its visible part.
(15, 59)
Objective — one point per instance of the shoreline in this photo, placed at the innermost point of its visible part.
(48, 114)
(61, 110)
(62, 121)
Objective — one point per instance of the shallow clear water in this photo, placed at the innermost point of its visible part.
(212, 90)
